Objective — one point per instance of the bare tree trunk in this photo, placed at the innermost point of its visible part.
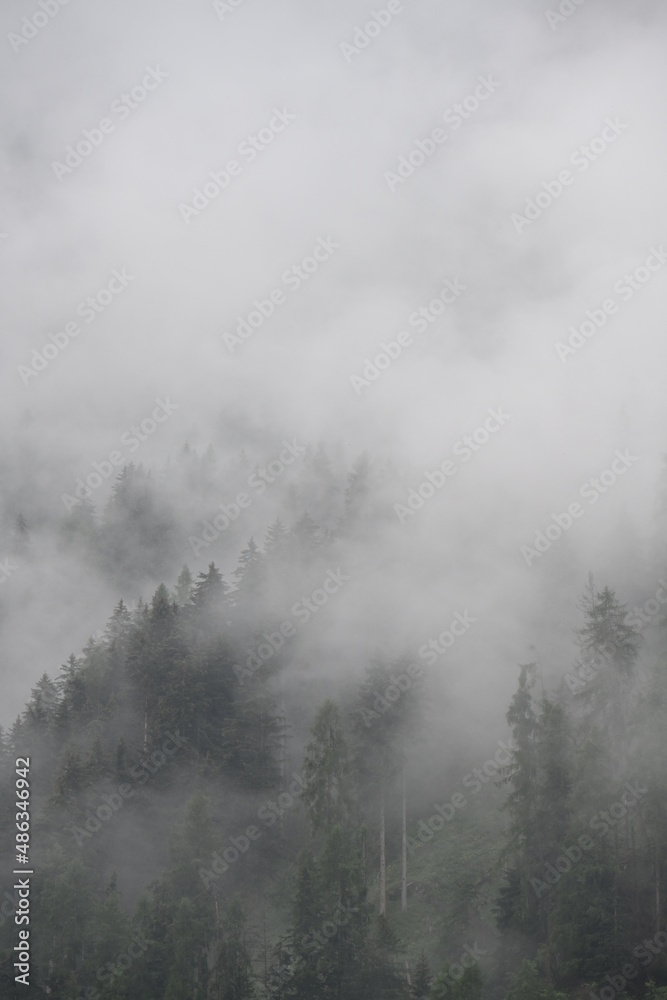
(283, 751)
(657, 887)
(266, 954)
(383, 861)
(404, 851)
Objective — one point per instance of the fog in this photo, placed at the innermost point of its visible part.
(221, 76)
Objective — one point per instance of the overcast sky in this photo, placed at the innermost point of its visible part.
(330, 178)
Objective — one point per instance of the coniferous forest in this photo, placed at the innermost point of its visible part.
(333, 500)
(212, 816)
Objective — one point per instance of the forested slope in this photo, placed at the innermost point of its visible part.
(205, 825)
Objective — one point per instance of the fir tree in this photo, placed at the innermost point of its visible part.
(183, 592)
(326, 770)
(421, 983)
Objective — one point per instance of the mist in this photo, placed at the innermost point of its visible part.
(414, 272)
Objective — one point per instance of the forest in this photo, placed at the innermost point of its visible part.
(207, 821)
(333, 500)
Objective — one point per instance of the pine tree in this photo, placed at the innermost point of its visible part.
(207, 615)
(305, 980)
(304, 539)
(343, 891)
(280, 974)
(67, 907)
(209, 590)
(530, 984)
(381, 978)
(609, 648)
(155, 656)
(518, 902)
(71, 687)
(249, 576)
(276, 542)
(469, 985)
(41, 710)
(119, 626)
(183, 592)
(187, 966)
(112, 932)
(252, 738)
(325, 953)
(441, 985)
(233, 977)
(421, 983)
(647, 756)
(326, 770)
(71, 779)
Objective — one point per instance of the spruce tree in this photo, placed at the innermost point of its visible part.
(183, 592)
(326, 770)
(421, 981)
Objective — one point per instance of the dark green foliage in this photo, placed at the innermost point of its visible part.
(186, 900)
(421, 980)
(326, 770)
(530, 985)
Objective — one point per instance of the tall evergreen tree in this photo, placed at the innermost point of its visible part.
(326, 770)
(609, 647)
(183, 592)
(249, 576)
(421, 982)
